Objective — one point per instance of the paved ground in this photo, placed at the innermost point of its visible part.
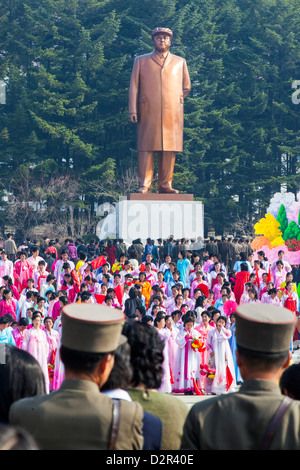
(190, 400)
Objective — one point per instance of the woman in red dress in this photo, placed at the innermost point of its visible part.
(241, 278)
(111, 252)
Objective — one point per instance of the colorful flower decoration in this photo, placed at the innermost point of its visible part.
(51, 371)
(205, 369)
(279, 229)
(259, 242)
(197, 345)
(292, 244)
(268, 227)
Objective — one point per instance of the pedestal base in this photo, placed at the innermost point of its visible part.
(159, 216)
(159, 197)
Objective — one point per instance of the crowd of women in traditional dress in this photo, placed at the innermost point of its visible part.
(190, 302)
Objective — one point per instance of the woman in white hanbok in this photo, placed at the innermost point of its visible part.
(187, 362)
(164, 334)
(172, 344)
(221, 358)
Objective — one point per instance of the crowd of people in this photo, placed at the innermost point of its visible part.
(189, 297)
(181, 298)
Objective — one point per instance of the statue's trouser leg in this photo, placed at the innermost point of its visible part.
(166, 162)
(145, 169)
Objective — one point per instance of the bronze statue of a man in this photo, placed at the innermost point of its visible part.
(159, 83)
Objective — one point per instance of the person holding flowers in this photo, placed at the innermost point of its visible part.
(187, 362)
(221, 358)
(204, 328)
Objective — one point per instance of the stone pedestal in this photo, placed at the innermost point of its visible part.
(160, 197)
(159, 216)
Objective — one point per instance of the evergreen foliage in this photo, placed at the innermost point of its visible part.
(282, 218)
(292, 231)
(67, 64)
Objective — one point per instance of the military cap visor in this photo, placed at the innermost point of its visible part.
(264, 328)
(162, 31)
(93, 328)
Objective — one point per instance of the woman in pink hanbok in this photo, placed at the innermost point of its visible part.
(52, 338)
(161, 283)
(22, 272)
(9, 285)
(60, 302)
(214, 274)
(265, 290)
(221, 358)
(253, 297)
(279, 274)
(178, 302)
(53, 299)
(199, 283)
(245, 296)
(35, 342)
(18, 333)
(204, 328)
(187, 300)
(218, 286)
(7, 304)
(272, 298)
(263, 285)
(164, 334)
(59, 368)
(187, 363)
(208, 264)
(151, 276)
(86, 270)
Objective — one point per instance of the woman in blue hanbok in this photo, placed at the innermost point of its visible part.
(5, 333)
(232, 343)
(182, 266)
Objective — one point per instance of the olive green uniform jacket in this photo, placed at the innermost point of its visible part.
(170, 410)
(78, 416)
(240, 420)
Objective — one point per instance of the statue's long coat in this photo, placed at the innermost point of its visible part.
(157, 91)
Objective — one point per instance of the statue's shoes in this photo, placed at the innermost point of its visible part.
(143, 190)
(169, 190)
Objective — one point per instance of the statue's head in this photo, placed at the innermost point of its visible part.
(161, 38)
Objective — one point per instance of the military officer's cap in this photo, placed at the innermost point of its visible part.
(162, 31)
(92, 328)
(264, 328)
